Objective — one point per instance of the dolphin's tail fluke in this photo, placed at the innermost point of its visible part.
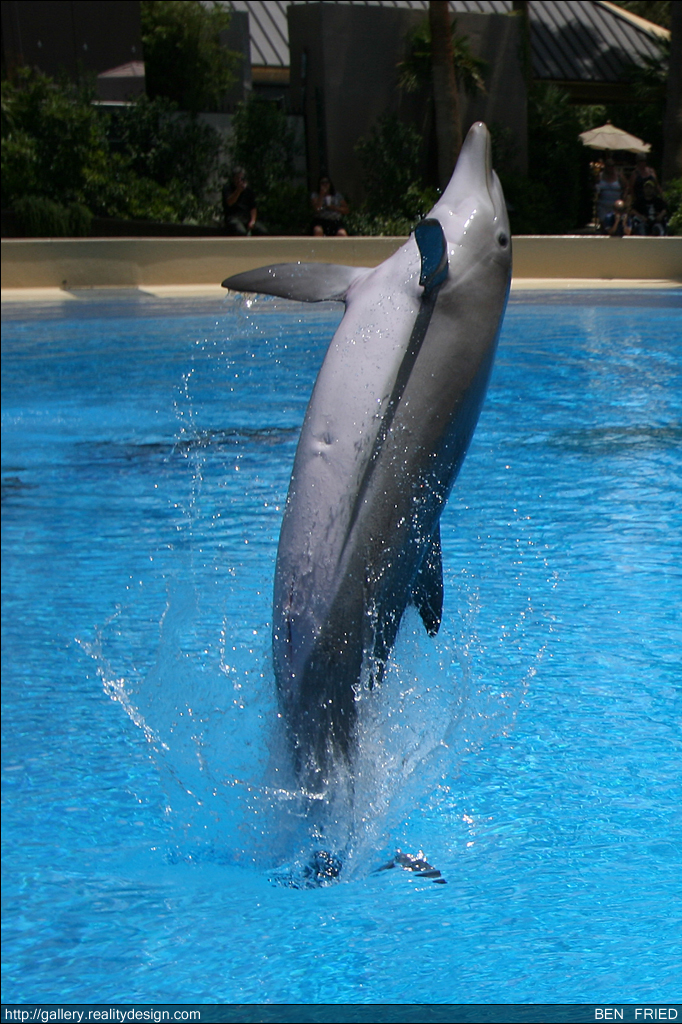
(418, 864)
(324, 868)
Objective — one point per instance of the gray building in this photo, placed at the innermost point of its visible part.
(335, 63)
(76, 38)
(586, 46)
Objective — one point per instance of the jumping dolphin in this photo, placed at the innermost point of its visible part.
(388, 425)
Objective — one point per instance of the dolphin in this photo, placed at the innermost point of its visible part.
(387, 428)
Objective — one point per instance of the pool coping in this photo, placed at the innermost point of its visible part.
(59, 269)
(53, 295)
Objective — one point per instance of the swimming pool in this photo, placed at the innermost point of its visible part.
(532, 751)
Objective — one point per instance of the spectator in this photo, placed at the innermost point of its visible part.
(329, 208)
(239, 207)
(650, 214)
(641, 174)
(618, 222)
(610, 187)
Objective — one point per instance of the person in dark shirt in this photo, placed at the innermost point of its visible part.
(650, 213)
(239, 207)
(638, 179)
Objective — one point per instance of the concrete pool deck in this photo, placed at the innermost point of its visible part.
(49, 269)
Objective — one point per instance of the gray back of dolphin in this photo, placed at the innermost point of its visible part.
(388, 425)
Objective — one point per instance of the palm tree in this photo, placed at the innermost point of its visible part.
(438, 58)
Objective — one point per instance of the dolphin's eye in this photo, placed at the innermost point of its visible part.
(503, 240)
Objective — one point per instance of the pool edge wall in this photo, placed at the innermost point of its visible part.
(71, 263)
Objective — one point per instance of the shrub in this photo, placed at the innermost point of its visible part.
(395, 199)
(391, 158)
(147, 162)
(360, 222)
(52, 136)
(39, 217)
(265, 145)
(184, 58)
(285, 210)
(178, 152)
(554, 161)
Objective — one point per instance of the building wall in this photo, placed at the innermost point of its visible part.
(236, 38)
(71, 36)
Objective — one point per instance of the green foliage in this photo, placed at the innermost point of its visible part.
(178, 152)
(362, 222)
(555, 196)
(38, 217)
(61, 155)
(285, 209)
(505, 146)
(391, 158)
(118, 192)
(415, 70)
(166, 146)
(52, 138)
(264, 144)
(673, 197)
(20, 170)
(530, 206)
(549, 201)
(553, 128)
(184, 59)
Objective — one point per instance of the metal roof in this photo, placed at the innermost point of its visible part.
(571, 40)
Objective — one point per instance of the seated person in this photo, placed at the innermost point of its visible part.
(650, 213)
(239, 207)
(618, 223)
(330, 208)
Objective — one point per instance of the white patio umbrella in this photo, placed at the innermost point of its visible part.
(610, 137)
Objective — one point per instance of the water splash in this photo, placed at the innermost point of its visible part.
(188, 657)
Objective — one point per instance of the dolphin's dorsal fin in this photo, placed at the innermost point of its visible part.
(433, 250)
(427, 591)
(305, 282)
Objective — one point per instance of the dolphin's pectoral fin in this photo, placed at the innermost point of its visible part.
(433, 250)
(305, 282)
(427, 592)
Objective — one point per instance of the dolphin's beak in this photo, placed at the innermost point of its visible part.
(474, 167)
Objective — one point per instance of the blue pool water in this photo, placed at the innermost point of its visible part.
(532, 751)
